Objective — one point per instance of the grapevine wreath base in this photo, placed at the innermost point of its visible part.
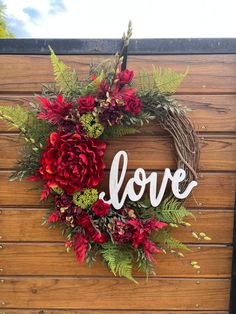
(66, 135)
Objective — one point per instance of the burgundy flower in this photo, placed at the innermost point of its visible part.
(133, 104)
(100, 208)
(125, 76)
(86, 104)
(54, 111)
(80, 246)
(72, 162)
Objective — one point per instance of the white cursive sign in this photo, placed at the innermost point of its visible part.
(140, 179)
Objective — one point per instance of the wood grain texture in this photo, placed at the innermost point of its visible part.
(207, 73)
(214, 190)
(209, 113)
(217, 152)
(24, 225)
(31, 259)
(56, 311)
(117, 294)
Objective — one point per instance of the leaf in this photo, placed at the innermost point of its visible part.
(171, 211)
(118, 259)
(15, 116)
(163, 238)
(166, 80)
(93, 86)
(119, 131)
(65, 78)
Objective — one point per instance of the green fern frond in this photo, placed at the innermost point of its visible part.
(118, 259)
(171, 211)
(164, 239)
(119, 131)
(15, 116)
(165, 80)
(65, 78)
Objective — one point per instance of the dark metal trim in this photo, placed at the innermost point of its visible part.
(111, 46)
(233, 274)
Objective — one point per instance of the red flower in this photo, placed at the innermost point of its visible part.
(98, 237)
(72, 162)
(149, 247)
(80, 246)
(126, 76)
(86, 104)
(54, 111)
(100, 208)
(133, 104)
(53, 218)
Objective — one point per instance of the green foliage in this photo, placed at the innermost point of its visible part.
(119, 131)
(92, 87)
(144, 265)
(164, 80)
(118, 259)
(15, 116)
(172, 211)
(66, 79)
(4, 29)
(164, 239)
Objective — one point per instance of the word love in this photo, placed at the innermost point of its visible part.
(141, 179)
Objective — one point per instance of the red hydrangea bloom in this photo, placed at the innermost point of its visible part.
(54, 111)
(72, 162)
(86, 104)
(80, 246)
(133, 104)
(125, 76)
(100, 208)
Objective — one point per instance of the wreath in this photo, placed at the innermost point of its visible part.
(66, 135)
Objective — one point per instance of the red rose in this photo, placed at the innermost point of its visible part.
(125, 76)
(72, 162)
(86, 104)
(133, 104)
(100, 208)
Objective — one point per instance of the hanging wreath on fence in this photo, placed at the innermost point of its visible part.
(66, 137)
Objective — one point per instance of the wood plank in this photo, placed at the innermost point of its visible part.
(217, 152)
(214, 190)
(24, 225)
(56, 311)
(209, 113)
(50, 259)
(207, 73)
(70, 293)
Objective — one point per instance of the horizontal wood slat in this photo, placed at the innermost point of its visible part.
(217, 153)
(209, 113)
(56, 311)
(214, 190)
(207, 294)
(25, 225)
(51, 259)
(207, 73)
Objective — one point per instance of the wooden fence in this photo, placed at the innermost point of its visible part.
(37, 276)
